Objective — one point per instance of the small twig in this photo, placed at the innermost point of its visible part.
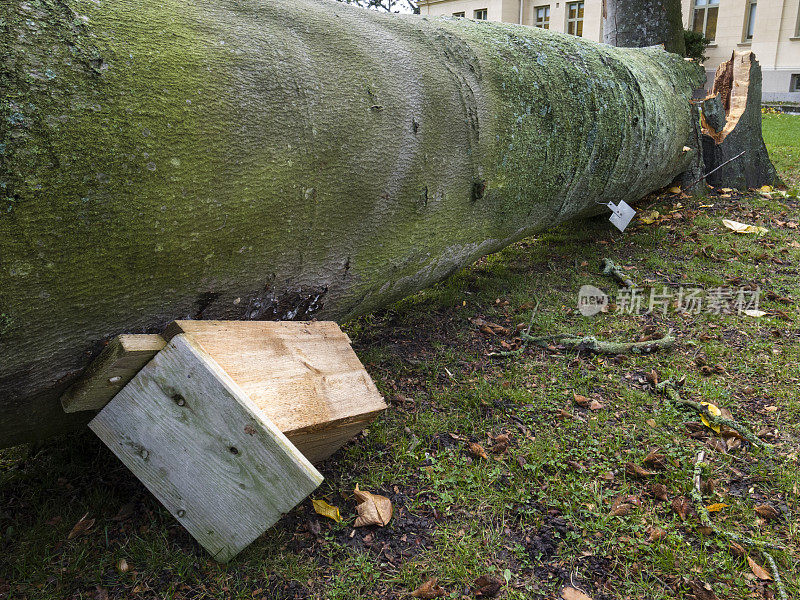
(776, 576)
(592, 344)
(608, 267)
(668, 389)
(714, 170)
(705, 518)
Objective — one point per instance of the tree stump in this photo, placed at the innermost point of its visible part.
(731, 124)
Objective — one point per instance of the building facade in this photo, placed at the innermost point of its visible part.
(770, 28)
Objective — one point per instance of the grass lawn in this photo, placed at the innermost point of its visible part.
(563, 504)
(782, 136)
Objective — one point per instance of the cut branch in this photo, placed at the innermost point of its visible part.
(674, 398)
(592, 344)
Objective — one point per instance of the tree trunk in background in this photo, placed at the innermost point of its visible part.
(241, 159)
(731, 124)
(643, 23)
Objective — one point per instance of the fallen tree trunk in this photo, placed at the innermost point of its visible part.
(287, 160)
(731, 125)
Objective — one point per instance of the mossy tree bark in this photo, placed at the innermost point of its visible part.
(244, 159)
(643, 23)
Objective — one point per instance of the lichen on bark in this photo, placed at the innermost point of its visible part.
(242, 159)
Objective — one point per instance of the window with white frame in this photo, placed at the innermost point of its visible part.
(704, 17)
(482, 14)
(794, 85)
(542, 17)
(459, 14)
(750, 20)
(575, 18)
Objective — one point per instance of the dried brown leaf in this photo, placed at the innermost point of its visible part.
(477, 450)
(681, 506)
(372, 509)
(595, 405)
(635, 470)
(737, 549)
(659, 491)
(429, 589)
(656, 534)
(82, 527)
(570, 593)
(767, 512)
(758, 570)
(581, 401)
(487, 587)
(702, 591)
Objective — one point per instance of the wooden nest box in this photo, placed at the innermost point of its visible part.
(223, 420)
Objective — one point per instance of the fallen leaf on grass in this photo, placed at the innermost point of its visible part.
(737, 549)
(595, 405)
(758, 570)
(744, 227)
(326, 510)
(714, 410)
(500, 444)
(581, 401)
(123, 566)
(674, 190)
(716, 507)
(372, 509)
(635, 470)
(754, 313)
(429, 589)
(570, 593)
(702, 591)
(681, 507)
(655, 459)
(767, 512)
(82, 527)
(659, 491)
(656, 534)
(477, 450)
(650, 218)
(487, 587)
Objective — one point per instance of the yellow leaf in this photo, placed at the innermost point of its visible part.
(674, 190)
(726, 190)
(743, 227)
(326, 510)
(765, 188)
(717, 507)
(714, 410)
(651, 218)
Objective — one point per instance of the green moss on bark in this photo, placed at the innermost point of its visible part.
(206, 160)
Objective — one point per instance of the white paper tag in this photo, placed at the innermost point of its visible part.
(621, 215)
